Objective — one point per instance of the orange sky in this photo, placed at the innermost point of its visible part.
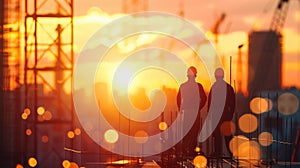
(241, 17)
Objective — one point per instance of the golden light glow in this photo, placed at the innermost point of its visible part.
(235, 142)
(45, 138)
(32, 162)
(28, 132)
(141, 136)
(111, 136)
(228, 128)
(288, 103)
(40, 110)
(248, 123)
(77, 131)
(200, 161)
(260, 105)
(162, 126)
(66, 164)
(265, 138)
(70, 134)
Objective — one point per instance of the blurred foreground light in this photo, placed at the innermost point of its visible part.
(200, 161)
(228, 128)
(32, 162)
(197, 149)
(77, 131)
(45, 138)
(260, 105)
(40, 110)
(28, 132)
(111, 136)
(141, 137)
(47, 115)
(235, 142)
(248, 123)
(70, 134)
(19, 166)
(73, 165)
(249, 154)
(163, 126)
(27, 111)
(288, 103)
(66, 164)
(265, 138)
(24, 116)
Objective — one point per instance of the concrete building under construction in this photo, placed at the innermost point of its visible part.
(264, 62)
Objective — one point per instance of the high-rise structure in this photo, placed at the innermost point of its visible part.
(264, 62)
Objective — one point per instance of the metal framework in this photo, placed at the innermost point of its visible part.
(48, 71)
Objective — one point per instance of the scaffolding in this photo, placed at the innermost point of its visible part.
(48, 71)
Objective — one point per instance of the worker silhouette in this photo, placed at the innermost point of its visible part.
(190, 100)
(219, 89)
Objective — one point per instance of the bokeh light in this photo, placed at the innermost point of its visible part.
(260, 105)
(235, 142)
(24, 116)
(47, 115)
(228, 128)
(28, 131)
(111, 136)
(73, 165)
(32, 162)
(197, 149)
(26, 111)
(45, 138)
(248, 123)
(66, 164)
(162, 126)
(288, 103)
(248, 153)
(19, 166)
(70, 134)
(77, 131)
(265, 138)
(141, 136)
(200, 161)
(40, 118)
(40, 110)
